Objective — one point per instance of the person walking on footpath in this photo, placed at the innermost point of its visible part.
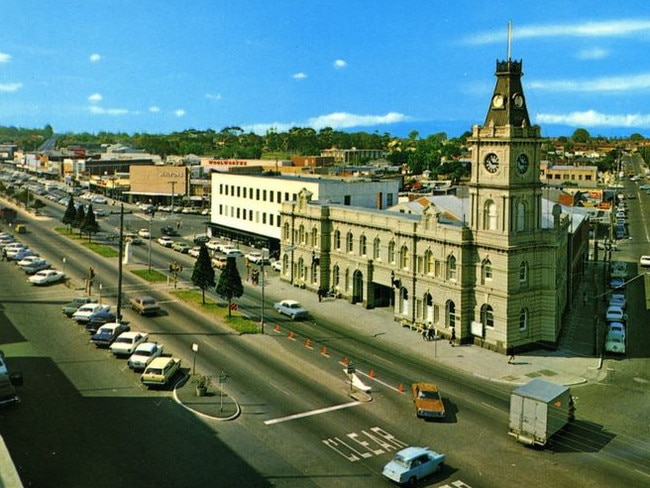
(511, 355)
(452, 338)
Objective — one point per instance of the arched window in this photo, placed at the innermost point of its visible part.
(520, 218)
(404, 301)
(363, 248)
(285, 264)
(376, 248)
(301, 234)
(490, 216)
(450, 314)
(487, 316)
(451, 268)
(428, 262)
(391, 252)
(404, 257)
(428, 308)
(286, 232)
(337, 240)
(523, 272)
(523, 319)
(349, 242)
(336, 276)
(314, 237)
(486, 271)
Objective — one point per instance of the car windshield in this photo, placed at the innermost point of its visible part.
(429, 395)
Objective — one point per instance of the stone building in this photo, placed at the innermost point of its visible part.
(491, 268)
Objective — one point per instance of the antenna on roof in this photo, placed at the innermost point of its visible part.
(509, 37)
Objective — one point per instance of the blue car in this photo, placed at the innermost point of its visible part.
(412, 464)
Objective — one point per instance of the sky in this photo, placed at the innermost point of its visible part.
(387, 66)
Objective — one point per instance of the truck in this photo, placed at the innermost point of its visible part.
(538, 410)
(160, 371)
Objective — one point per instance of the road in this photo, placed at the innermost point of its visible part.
(299, 426)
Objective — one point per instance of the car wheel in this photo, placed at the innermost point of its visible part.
(440, 466)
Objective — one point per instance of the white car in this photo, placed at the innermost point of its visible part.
(144, 354)
(27, 260)
(194, 252)
(618, 300)
(644, 261)
(46, 276)
(214, 245)
(254, 257)
(83, 313)
(127, 342)
(615, 314)
(291, 308)
(277, 265)
(615, 344)
(165, 241)
(616, 328)
(144, 233)
(232, 252)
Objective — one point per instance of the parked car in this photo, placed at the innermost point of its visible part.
(616, 328)
(83, 313)
(100, 318)
(644, 261)
(143, 354)
(133, 238)
(412, 464)
(201, 239)
(71, 307)
(35, 266)
(277, 265)
(8, 394)
(144, 233)
(291, 308)
(145, 305)
(194, 252)
(219, 262)
(160, 371)
(127, 342)
(615, 343)
(169, 231)
(232, 252)
(107, 333)
(427, 400)
(214, 245)
(21, 254)
(46, 277)
(617, 299)
(617, 283)
(165, 241)
(3, 364)
(615, 314)
(181, 247)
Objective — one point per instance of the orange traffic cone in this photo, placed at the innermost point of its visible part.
(345, 361)
(323, 351)
(372, 373)
(308, 343)
(291, 335)
(276, 328)
(400, 388)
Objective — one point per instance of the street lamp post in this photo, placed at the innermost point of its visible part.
(265, 256)
(150, 239)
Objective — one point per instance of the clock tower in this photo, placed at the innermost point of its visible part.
(505, 187)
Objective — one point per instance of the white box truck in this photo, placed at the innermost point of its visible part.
(538, 410)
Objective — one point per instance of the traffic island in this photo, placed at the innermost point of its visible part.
(216, 404)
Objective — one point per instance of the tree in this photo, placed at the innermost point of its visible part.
(580, 135)
(79, 218)
(89, 225)
(70, 215)
(230, 285)
(203, 273)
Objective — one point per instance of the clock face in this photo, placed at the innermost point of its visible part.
(491, 162)
(522, 163)
(518, 100)
(497, 101)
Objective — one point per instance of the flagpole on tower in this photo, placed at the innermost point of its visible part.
(509, 37)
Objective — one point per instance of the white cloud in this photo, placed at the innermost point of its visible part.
(592, 118)
(10, 87)
(179, 113)
(299, 76)
(336, 120)
(95, 98)
(339, 63)
(613, 28)
(213, 96)
(594, 53)
(94, 109)
(604, 84)
(5, 58)
(94, 58)
(154, 109)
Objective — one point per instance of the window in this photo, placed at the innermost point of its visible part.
(363, 250)
(404, 260)
(520, 221)
(428, 262)
(244, 192)
(523, 272)
(349, 242)
(336, 277)
(301, 234)
(487, 316)
(486, 271)
(523, 319)
(451, 268)
(376, 248)
(314, 237)
(391, 252)
(337, 240)
(490, 216)
(271, 196)
(286, 233)
(271, 220)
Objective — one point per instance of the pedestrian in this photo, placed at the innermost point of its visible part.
(178, 225)
(511, 355)
(431, 333)
(4, 254)
(452, 338)
(424, 333)
(320, 294)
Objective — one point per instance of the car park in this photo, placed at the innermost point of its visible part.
(427, 400)
(107, 333)
(412, 464)
(71, 307)
(181, 247)
(46, 277)
(84, 312)
(145, 305)
(143, 354)
(165, 241)
(615, 314)
(127, 342)
(291, 308)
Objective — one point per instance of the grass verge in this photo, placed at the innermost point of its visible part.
(101, 249)
(152, 276)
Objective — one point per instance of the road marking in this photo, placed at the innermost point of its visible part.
(311, 412)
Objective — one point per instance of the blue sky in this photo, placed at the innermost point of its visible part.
(386, 66)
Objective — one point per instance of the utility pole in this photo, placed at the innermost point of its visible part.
(173, 184)
(119, 265)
